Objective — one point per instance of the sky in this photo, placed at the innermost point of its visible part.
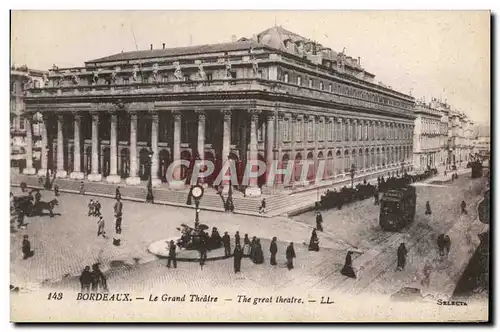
(442, 54)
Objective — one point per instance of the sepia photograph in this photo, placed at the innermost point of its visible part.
(250, 166)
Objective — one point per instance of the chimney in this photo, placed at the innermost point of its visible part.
(233, 38)
(163, 45)
(151, 46)
(359, 60)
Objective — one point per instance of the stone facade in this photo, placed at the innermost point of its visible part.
(21, 78)
(249, 100)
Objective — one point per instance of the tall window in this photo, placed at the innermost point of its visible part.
(321, 85)
(298, 130)
(310, 136)
(330, 88)
(286, 130)
(310, 83)
(360, 131)
(299, 80)
(338, 130)
(285, 78)
(345, 129)
(353, 131)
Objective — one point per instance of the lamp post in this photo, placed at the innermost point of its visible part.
(149, 196)
(47, 185)
(352, 171)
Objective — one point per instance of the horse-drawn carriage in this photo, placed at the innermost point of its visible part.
(26, 204)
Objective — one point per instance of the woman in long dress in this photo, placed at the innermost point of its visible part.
(246, 246)
(347, 270)
(258, 257)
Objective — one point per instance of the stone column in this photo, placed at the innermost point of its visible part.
(77, 174)
(253, 189)
(44, 153)
(113, 176)
(61, 172)
(270, 144)
(95, 176)
(226, 143)
(133, 179)
(155, 161)
(176, 182)
(200, 145)
(29, 170)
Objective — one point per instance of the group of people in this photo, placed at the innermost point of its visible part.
(94, 280)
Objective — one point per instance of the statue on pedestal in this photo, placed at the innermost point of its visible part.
(178, 72)
(45, 80)
(134, 72)
(95, 77)
(228, 70)
(202, 76)
(155, 72)
(74, 79)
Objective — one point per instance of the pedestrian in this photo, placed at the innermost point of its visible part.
(258, 257)
(20, 219)
(347, 269)
(237, 238)
(99, 281)
(97, 210)
(91, 206)
(56, 190)
(38, 196)
(238, 255)
(203, 253)
(246, 246)
(172, 257)
(428, 208)
(402, 252)
(376, 196)
(86, 279)
(262, 208)
(463, 207)
(319, 221)
(273, 248)
(26, 248)
(447, 245)
(118, 195)
(290, 255)
(314, 241)
(440, 243)
(226, 240)
(82, 188)
(100, 227)
(253, 247)
(118, 208)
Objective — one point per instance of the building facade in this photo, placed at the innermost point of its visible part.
(461, 132)
(278, 96)
(427, 145)
(20, 78)
(481, 140)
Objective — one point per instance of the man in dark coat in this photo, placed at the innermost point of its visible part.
(290, 255)
(97, 208)
(203, 253)
(376, 196)
(38, 196)
(26, 248)
(172, 256)
(91, 206)
(98, 279)
(118, 194)
(463, 207)
(226, 240)
(237, 238)
(86, 279)
(319, 222)
(118, 215)
(238, 255)
(258, 257)
(428, 208)
(402, 252)
(314, 241)
(215, 239)
(347, 270)
(56, 190)
(274, 250)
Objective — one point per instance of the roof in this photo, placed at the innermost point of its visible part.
(276, 36)
(199, 49)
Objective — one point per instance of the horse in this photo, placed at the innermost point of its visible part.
(42, 205)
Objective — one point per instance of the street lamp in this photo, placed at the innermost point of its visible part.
(352, 171)
(149, 196)
(47, 185)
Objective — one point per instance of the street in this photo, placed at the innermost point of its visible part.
(64, 244)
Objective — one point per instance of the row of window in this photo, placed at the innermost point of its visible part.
(337, 131)
(348, 91)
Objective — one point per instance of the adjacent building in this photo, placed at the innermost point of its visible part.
(277, 96)
(481, 140)
(460, 138)
(20, 78)
(427, 142)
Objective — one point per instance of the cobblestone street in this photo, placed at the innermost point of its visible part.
(71, 238)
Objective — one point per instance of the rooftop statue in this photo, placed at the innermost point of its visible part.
(228, 70)
(155, 72)
(114, 74)
(74, 79)
(201, 73)
(95, 77)
(134, 72)
(45, 79)
(178, 72)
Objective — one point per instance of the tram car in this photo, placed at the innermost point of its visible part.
(397, 208)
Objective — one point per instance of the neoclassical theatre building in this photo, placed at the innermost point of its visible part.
(276, 96)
